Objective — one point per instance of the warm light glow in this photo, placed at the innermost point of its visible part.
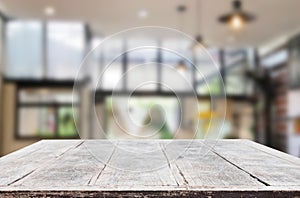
(236, 22)
(49, 11)
(143, 14)
(181, 68)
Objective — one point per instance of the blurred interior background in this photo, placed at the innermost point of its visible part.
(255, 45)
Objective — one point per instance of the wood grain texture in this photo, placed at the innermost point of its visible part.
(160, 168)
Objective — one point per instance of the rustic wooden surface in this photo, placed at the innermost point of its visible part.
(231, 168)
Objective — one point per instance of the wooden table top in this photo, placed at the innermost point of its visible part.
(153, 168)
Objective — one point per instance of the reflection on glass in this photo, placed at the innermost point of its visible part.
(66, 122)
(151, 117)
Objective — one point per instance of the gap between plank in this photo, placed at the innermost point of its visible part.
(27, 174)
(99, 174)
(164, 152)
(251, 175)
(71, 148)
(182, 175)
(169, 165)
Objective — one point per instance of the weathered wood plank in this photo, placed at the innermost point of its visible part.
(149, 168)
(24, 162)
(279, 154)
(201, 168)
(271, 169)
(76, 168)
(137, 165)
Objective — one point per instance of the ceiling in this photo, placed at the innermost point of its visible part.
(274, 17)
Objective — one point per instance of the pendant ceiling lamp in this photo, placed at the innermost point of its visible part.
(237, 18)
(181, 66)
(198, 37)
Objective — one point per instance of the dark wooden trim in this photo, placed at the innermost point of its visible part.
(38, 138)
(125, 65)
(159, 67)
(101, 94)
(56, 117)
(222, 67)
(46, 104)
(194, 70)
(49, 83)
(256, 112)
(88, 32)
(16, 126)
(148, 193)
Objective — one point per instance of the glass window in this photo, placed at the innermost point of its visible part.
(24, 49)
(142, 60)
(37, 122)
(236, 65)
(47, 122)
(93, 61)
(176, 68)
(275, 59)
(151, 117)
(212, 118)
(208, 71)
(66, 122)
(111, 64)
(65, 49)
(47, 113)
(293, 62)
